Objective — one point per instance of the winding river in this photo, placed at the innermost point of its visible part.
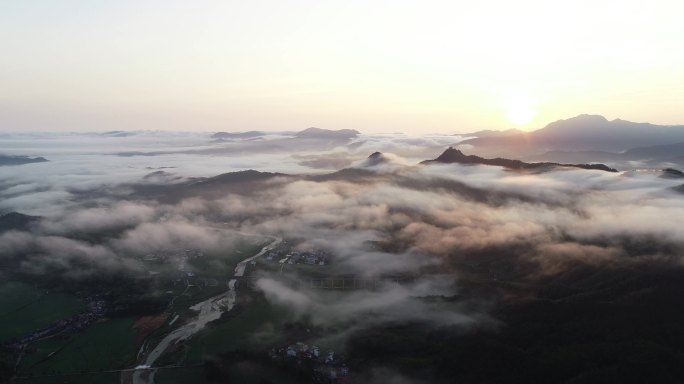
(208, 311)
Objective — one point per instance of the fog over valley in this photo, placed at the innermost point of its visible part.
(333, 255)
(341, 192)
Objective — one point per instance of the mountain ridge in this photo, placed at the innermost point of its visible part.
(320, 133)
(452, 155)
(581, 133)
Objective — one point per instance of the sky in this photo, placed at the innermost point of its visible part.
(375, 66)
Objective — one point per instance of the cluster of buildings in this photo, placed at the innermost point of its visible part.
(326, 368)
(289, 256)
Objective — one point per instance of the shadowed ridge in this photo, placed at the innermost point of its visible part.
(20, 160)
(16, 221)
(452, 155)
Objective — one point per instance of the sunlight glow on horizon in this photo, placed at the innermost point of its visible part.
(415, 66)
(520, 107)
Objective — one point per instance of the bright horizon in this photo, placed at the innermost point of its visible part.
(417, 67)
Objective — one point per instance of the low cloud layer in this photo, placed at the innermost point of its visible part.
(390, 303)
(429, 223)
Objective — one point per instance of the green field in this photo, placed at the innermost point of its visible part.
(180, 376)
(243, 373)
(110, 344)
(99, 378)
(106, 345)
(24, 308)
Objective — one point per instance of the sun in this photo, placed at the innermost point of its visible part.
(519, 109)
(521, 115)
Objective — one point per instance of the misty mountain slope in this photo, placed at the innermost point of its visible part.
(656, 152)
(253, 142)
(452, 155)
(610, 158)
(20, 160)
(118, 134)
(229, 178)
(656, 155)
(241, 182)
(16, 221)
(355, 175)
(327, 134)
(379, 169)
(237, 135)
(679, 189)
(550, 274)
(375, 168)
(414, 182)
(493, 133)
(375, 158)
(160, 177)
(581, 133)
(462, 190)
(671, 173)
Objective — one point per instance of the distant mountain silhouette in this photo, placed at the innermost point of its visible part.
(581, 133)
(650, 155)
(492, 133)
(452, 155)
(665, 151)
(318, 133)
(237, 135)
(20, 160)
(118, 134)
